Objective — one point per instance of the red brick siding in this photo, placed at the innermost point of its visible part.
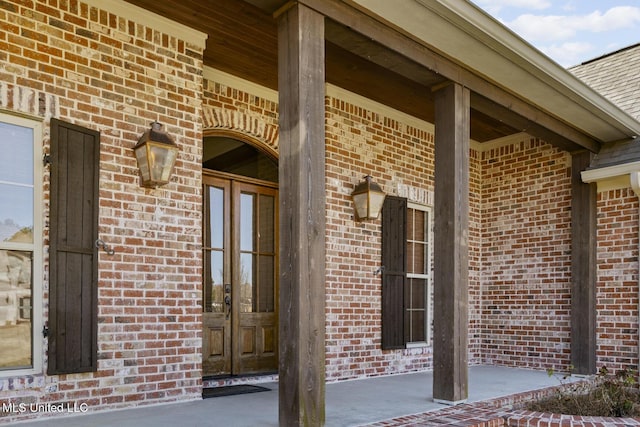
(230, 109)
(475, 259)
(519, 242)
(400, 157)
(526, 259)
(358, 143)
(105, 72)
(617, 292)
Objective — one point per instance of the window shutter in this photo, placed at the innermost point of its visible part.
(394, 238)
(73, 267)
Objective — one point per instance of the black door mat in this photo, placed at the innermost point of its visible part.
(231, 390)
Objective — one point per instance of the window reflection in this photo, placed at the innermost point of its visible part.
(16, 230)
(215, 251)
(247, 283)
(257, 259)
(247, 221)
(16, 162)
(216, 214)
(15, 309)
(417, 287)
(216, 278)
(16, 183)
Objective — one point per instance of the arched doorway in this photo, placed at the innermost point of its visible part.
(240, 244)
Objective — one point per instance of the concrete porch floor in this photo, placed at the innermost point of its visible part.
(348, 403)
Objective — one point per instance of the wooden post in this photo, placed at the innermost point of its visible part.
(451, 246)
(301, 86)
(583, 267)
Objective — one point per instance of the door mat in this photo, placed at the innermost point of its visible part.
(231, 390)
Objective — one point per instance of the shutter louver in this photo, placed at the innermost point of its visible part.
(394, 218)
(73, 272)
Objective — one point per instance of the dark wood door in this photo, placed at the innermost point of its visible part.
(240, 280)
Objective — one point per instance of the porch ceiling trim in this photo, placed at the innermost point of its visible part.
(149, 19)
(226, 79)
(334, 91)
(468, 36)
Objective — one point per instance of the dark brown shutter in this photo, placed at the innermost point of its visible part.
(73, 230)
(394, 239)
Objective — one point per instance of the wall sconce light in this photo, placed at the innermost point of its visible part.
(368, 198)
(156, 154)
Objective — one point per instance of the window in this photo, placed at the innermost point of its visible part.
(20, 245)
(417, 288)
(406, 280)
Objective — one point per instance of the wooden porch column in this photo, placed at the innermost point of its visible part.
(301, 86)
(451, 249)
(583, 267)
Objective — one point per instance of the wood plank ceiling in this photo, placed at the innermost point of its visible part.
(243, 42)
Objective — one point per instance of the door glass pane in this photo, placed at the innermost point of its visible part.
(216, 217)
(266, 223)
(247, 222)
(247, 283)
(266, 284)
(15, 309)
(215, 281)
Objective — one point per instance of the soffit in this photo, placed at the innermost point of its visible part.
(470, 37)
(242, 40)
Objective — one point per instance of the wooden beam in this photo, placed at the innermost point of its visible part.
(451, 246)
(583, 267)
(385, 35)
(301, 79)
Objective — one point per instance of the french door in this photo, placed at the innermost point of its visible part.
(240, 318)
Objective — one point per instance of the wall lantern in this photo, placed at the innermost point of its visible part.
(156, 154)
(367, 199)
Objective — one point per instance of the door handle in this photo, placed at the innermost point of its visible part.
(227, 301)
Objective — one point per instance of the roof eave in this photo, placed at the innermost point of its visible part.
(480, 43)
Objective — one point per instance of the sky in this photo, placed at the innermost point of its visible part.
(570, 31)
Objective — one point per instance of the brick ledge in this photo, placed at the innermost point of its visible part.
(499, 412)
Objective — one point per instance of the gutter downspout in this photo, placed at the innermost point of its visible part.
(634, 177)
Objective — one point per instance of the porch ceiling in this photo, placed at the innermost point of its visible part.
(243, 42)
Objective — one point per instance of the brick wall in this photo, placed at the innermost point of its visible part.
(92, 68)
(230, 109)
(520, 214)
(475, 258)
(105, 72)
(526, 259)
(360, 141)
(617, 291)
(400, 158)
